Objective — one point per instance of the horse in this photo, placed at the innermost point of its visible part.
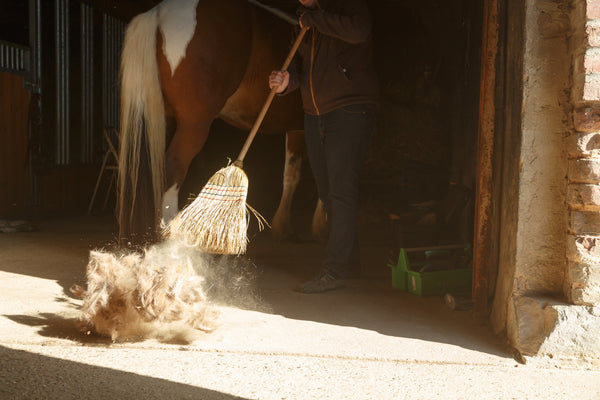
(185, 63)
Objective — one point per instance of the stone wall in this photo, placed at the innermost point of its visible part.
(582, 284)
(540, 262)
(553, 290)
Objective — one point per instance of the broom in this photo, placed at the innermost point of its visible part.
(216, 221)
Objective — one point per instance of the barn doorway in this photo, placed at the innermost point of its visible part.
(419, 182)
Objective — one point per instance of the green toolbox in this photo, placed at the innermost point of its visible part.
(435, 270)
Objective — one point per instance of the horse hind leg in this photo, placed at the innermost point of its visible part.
(295, 152)
(281, 225)
(320, 227)
(170, 198)
(170, 203)
(187, 142)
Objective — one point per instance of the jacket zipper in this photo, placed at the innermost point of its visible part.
(312, 59)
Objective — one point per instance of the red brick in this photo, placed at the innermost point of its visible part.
(591, 62)
(593, 34)
(583, 249)
(585, 170)
(585, 222)
(585, 143)
(583, 197)
(583, 274)
(585, 296)
(591, 90)
(593, 9)
(587, 119)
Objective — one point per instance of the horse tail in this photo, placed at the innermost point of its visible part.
(142, 143)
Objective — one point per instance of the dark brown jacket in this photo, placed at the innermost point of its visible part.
(335, 68)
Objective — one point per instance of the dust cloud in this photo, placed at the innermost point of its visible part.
(171, 292)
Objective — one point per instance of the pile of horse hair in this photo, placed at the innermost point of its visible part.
(155, 295)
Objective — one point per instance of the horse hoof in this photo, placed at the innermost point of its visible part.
(282, 233)
(320, 235)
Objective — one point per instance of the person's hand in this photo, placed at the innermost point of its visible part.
(300, 20)
(280, 80)
(300, 13)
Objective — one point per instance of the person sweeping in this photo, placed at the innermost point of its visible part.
(338, 83)
(217, 221)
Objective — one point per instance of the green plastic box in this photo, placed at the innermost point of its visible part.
(399, 271)
(406, 275)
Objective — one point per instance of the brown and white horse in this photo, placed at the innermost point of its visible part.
(189, 62)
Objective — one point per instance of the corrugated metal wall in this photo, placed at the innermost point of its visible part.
(80, 97)
(87, 84)
(113, 34)
(14, 58)
(113, 31)
(62, 79)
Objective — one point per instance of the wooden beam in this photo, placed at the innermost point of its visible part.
(482, 256)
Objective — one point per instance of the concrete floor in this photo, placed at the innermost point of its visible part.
(367, 341)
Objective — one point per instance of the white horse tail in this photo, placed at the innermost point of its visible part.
(142, 115)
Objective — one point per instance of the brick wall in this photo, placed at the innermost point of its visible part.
(583, 241)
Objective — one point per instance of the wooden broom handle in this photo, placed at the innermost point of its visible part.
(240, 160)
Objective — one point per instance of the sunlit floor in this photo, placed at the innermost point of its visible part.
(364, 341)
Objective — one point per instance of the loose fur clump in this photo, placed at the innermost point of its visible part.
(133, 297)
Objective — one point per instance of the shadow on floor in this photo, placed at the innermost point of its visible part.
(368, 303)
(33, 376)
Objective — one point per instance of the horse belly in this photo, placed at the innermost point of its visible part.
(243, 107)
(238, 111)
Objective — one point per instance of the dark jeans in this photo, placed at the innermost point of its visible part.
(337, 143)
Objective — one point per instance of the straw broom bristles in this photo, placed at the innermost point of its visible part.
(217, 220)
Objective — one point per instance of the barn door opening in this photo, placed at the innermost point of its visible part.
(420, 181)
(423, 164)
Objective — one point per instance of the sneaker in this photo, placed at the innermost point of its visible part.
(323, 282)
